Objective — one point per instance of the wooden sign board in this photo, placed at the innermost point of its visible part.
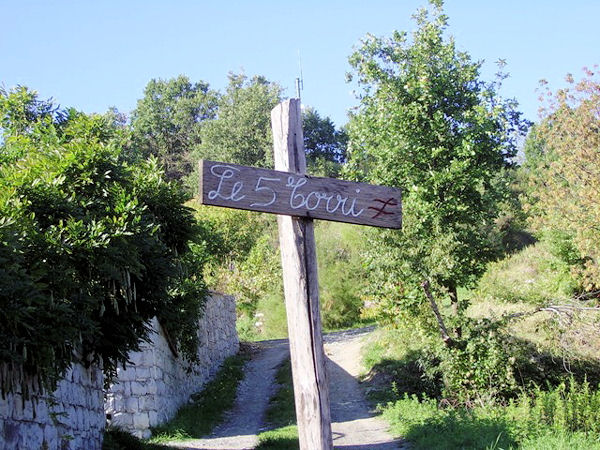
(272, 191)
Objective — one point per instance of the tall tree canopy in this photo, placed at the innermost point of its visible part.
(168, 119)
(91, 246)
(241, 131)
(429, 125)
(325, 146)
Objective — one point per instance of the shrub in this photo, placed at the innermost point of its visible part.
(91, 247)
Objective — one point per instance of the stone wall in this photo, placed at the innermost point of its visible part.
(72, 418)
(151, 389)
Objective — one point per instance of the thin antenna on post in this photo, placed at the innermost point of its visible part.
(299, 80)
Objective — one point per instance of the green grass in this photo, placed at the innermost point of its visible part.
(281, 414)
(117, 439)
(282, 438)
(566, 417)
(533, 275)
(207, 407)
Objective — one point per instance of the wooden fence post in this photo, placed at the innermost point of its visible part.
(301, 286)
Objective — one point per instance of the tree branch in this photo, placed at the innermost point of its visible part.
(443, 330)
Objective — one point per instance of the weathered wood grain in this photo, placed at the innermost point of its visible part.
(301, 286)
(296, 194)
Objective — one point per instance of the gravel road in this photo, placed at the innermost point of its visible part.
(354, 425)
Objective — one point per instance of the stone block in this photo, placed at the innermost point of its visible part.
(141, 421)
(136, 359)
(153, 418)
(142, 373)
(5, 407)
(51, 436)
(138, 389)
(132, 405)
(147, 358)
(146, 403)
(123, 419)
(31, 437)
(151, 387)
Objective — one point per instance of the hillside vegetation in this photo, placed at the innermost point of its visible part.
(487, 299)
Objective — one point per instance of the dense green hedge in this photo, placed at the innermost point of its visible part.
(92, 246)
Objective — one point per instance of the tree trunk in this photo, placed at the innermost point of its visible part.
(443, 331)
(455, 308)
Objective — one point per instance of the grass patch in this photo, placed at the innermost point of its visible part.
(282, 438)
(534, 275)
(281, 414)
(117, 439)
(207, 407)
(565, 417)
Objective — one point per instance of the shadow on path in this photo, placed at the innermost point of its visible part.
(354, 424)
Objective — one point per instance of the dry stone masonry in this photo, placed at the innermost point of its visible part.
(71, 418)
(151, 389)
(147, 393)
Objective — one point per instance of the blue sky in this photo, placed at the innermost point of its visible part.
(94, 55)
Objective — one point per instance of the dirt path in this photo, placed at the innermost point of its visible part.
(242, 424)
(354, 425)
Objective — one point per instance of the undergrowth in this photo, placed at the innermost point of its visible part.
(117, 439)
(566, 416)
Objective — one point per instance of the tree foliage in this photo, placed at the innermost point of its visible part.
(167, 122)
(91, 247)
(241, 131)
(325, 146)
(565, 173)
(429, 125)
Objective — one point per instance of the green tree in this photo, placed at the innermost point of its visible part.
(565, 191)
(167, 122)
(325, 146)
(241, 132)
(91, 246)
(429, 125)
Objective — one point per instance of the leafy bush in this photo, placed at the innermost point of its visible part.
(92, 247)
(482, 365)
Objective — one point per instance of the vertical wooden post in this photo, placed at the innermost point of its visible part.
(299, 261)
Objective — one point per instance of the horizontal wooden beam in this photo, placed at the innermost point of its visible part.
(276, 192)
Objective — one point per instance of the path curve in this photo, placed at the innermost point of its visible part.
(354, 424)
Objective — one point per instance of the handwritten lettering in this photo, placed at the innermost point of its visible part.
(312, 200)
(381, 210)
(226, 172)
(299, 195)
(258, 188)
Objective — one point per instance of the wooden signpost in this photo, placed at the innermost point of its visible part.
(297, 199)
(294, 194)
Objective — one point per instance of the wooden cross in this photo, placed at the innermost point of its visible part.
(297, 199)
